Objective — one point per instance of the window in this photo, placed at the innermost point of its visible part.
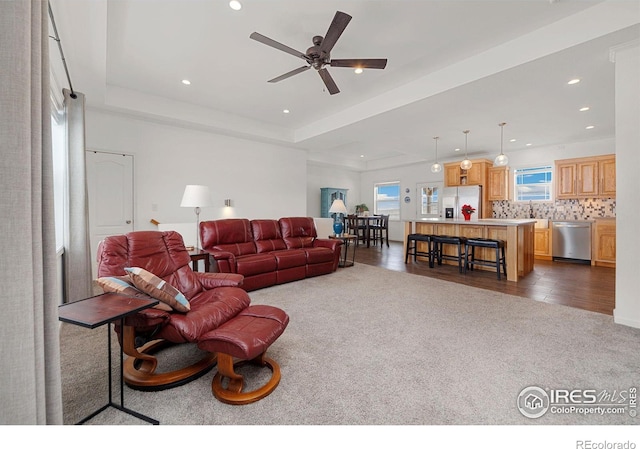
(533, 184)
(58, 143)
(387, 199)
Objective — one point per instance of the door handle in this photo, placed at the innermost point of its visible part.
(128, 222)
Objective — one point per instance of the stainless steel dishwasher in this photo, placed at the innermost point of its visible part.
(571, 240)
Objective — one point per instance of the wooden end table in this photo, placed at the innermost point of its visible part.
(197, 255)
(103, 309)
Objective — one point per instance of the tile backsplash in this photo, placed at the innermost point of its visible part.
(576, 209)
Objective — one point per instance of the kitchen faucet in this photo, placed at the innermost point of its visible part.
(530, 210)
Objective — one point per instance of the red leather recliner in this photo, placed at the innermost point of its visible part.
(215, 300)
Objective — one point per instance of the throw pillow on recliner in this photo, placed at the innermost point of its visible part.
(158, 288)
(120, 284)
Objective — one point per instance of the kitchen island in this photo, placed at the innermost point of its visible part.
(518, 236)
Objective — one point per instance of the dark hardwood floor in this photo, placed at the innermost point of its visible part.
(570, 284)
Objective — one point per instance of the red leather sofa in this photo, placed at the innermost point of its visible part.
(269, 252)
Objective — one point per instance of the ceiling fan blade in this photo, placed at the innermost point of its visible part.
(277, 45)
(332, 87)
(339, 23)
(363, 63)
(289, 74)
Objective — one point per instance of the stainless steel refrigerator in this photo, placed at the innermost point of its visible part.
(453, 198)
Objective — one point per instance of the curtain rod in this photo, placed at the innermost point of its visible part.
(57, 39)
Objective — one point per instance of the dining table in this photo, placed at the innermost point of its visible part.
(368, 221)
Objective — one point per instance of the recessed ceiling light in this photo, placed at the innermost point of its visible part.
(529, 144)
(574, 81)
(512, 140)
(586, 108)
(286, 111)
(362, 155)
(186, 82)
(235, 5)
(589, 127)
(457, 149)
(359, 70)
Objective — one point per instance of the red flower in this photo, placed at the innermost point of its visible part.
(467, 209)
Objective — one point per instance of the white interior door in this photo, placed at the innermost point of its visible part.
(110, 189)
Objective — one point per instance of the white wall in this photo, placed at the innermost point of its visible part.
(262, 180)
(627, 61)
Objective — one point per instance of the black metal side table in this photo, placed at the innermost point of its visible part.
(103, 309)
(348, 241)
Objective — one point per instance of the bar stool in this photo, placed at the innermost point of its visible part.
(440, 240)
(498, 245)
(412, 247)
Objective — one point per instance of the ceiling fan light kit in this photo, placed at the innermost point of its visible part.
(319, 55)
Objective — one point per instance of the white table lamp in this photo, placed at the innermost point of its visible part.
(196, 196)
(338, 207)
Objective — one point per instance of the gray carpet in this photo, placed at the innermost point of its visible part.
(370, 346)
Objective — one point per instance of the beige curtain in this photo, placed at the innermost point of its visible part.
(77, 253)
(30, 389)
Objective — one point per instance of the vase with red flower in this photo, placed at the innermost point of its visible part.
(467, 210)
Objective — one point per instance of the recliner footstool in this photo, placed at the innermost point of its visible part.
(245, 337)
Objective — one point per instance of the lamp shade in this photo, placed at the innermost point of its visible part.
(196, 196)
(338, 207)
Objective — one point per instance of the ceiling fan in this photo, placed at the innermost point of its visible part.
(319, 56)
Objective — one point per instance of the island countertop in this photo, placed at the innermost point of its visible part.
(518, 235)
(480, 221)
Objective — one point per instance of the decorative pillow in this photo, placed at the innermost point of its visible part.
(158, 288)
(121, 285)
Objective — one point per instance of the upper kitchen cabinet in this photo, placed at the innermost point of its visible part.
(607, 171)
(591, 177)
(455, 176)
(498, 183)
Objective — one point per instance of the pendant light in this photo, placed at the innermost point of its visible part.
(436, 167)
(501, 159)
(466, 164)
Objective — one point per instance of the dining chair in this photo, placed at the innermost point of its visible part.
(380, 230)
(355, 227)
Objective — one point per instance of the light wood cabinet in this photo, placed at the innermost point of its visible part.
(604, 242)
(498, 183)
(566, 180)
(593, 177)
(607, 171)
(477, 175)
(452, 175)
(542, 244)
(455, 176)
